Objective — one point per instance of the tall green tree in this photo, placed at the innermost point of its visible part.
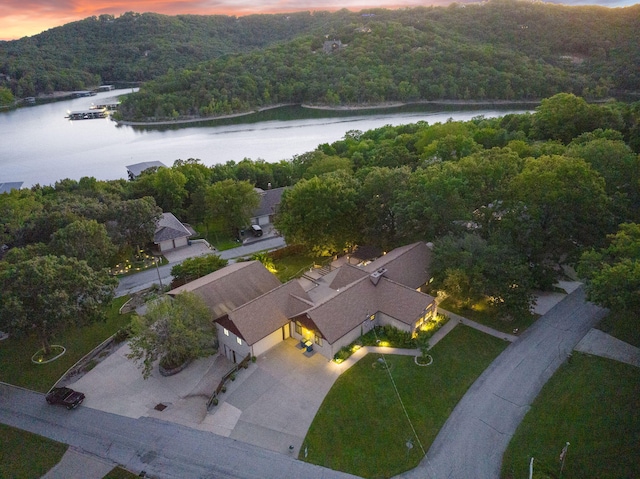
(85, 240)
(233, 202)
(557, 206)
(136, 221)
(174, 330)
(49, 294)
(612, 274)
(321, 213)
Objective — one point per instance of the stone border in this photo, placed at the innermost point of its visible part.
(170, 372)
(415, 360)
(64, 350)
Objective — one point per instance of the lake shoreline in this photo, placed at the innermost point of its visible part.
(377, 106)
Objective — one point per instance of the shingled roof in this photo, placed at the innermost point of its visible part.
(408, 265)
(169, 228)
(269, 201)
(265, 314)
(231, 287)
(345, 310)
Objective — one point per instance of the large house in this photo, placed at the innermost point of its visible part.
(253, 311)
(269, 203)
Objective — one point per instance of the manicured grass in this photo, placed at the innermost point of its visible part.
(593, 404)
(483, 314)
(292, 265)
(119, 473)
(26, 456)
(623, 326)
(15, 353)
(361, 427)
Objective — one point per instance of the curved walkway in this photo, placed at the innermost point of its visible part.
(474, 438)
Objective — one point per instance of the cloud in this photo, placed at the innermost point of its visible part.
(25, 18)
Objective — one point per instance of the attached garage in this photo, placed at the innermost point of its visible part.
(270, 341)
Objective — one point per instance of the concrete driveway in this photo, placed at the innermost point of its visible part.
(271, 404)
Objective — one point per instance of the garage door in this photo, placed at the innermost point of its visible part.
(268, 342)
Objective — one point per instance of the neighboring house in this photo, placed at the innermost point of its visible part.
(269, 203)
(136, 170)
(171, 233)
(331, 46)
(254, 312)
(8, 186)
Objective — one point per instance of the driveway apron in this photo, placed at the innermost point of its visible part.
(474, 438)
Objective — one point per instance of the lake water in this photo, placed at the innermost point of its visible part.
(39, 145)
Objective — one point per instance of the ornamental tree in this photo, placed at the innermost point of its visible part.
(174, 330)
(46, 295)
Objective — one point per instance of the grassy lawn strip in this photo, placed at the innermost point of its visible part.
(592, 403)
(361, 427)
(24, 455)
(15, 353)
(623, 326)
(483, 314)
(289, 266)
(119, 473)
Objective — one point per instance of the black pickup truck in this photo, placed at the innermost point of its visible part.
(66, 397)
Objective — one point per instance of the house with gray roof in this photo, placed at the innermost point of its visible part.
(254, 311)
(269, 203)
(171, 233)
(136, 170)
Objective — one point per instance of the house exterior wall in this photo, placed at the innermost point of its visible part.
(268, 342)
(261, 220)
(321, 346)
(385, 319)
(230, 340)
(172, 244)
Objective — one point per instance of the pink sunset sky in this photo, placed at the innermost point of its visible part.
(20, 18)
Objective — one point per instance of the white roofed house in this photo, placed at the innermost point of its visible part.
(171, 233)
(136, 170)
(269, 202)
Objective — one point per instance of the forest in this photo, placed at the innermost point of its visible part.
(496, 51)
(211, 65)
(506, 201)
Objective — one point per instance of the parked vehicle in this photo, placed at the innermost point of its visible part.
(256, 230)
(66, 397)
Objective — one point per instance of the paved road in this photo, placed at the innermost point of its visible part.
(146, 279)
(473, 440)
(164, 450)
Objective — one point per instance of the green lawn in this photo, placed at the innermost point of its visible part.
(593, 404)
(361, 427)
(15, 353)
(292, 265)
(27, 456)
(483, 314)
(623, 326)
(119, 473)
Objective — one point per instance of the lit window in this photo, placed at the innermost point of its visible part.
(239, 340)
(318, 340)
(298, 328)
(226, 331)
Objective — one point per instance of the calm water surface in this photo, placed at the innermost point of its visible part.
(39, 145)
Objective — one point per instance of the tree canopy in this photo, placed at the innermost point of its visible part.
(47, 294)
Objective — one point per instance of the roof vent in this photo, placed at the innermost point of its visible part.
(376, 275)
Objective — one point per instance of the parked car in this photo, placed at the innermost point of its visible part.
(256, 230)
(66, 397)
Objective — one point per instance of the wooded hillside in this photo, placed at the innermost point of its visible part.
(495, 50)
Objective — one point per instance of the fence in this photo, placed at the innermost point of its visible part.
(225, 379)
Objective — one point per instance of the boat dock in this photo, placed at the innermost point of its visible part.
(87, 114)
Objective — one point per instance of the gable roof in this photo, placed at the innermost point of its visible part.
(344, 311)
(346, 275)
(265, 314)
(10, 185)
(408, 265)
(169, 227)
(269, 201)
(138, 168)
(231, 287)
